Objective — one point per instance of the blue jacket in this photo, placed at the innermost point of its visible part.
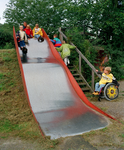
(56, 42)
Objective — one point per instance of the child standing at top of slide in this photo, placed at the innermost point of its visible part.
(65, 51)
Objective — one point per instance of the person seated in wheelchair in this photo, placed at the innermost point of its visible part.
(107, 77)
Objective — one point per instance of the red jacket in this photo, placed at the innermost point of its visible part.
(29, 32)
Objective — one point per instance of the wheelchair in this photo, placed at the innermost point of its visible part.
(110, 91)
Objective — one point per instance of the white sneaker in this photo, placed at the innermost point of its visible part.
(68, 61)
(65, 60)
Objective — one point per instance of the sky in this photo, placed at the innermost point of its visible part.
(2, 9)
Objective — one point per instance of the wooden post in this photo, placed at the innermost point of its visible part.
(60, 35)
(80, 63)
(93, 80)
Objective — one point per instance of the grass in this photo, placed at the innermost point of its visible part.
(89, 95)
(104, 129)
(122, 135)
(16, 119)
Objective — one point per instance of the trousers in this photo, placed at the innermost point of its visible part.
(22, 43)
(66, 60)
(98, 87)
(37, 36)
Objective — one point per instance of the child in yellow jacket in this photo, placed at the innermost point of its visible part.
(37, 32)
(107, 77)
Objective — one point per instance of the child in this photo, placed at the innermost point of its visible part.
(65, 51)
(56, 41)
(106, 77)
(37, 32)
(28, 31)
(22, 39)
(24, 25)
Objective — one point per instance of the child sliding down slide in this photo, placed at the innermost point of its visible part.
(22, 39)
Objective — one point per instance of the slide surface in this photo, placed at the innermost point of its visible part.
(56, 100)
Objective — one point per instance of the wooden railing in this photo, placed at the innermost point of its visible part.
(81, 56)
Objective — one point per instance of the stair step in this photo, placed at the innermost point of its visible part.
(70, 66)
(76, 74)
(81, 83)
(77, 79)
(72, 70)
(85, 89)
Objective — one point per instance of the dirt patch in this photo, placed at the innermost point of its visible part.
(18, 144)
(75, 143)
(121, 87)
(111, 137)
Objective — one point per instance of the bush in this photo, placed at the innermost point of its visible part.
(6, 40)
(8, 46)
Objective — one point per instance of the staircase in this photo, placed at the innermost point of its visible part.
(78, 73)
(80, 79)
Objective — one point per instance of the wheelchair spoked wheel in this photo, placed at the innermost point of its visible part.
(111, 92)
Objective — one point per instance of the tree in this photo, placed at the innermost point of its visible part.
(49, 14)
(107, 16)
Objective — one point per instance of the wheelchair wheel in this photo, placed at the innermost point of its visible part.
(111, 92)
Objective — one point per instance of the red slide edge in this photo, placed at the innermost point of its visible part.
(23, 79)
(72, 79)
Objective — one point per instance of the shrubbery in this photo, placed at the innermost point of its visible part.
(6, 40)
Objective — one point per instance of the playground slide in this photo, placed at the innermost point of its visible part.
(57, 102)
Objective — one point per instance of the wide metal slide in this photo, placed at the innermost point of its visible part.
(54, 100)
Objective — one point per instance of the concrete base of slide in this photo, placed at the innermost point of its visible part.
(57, 107)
